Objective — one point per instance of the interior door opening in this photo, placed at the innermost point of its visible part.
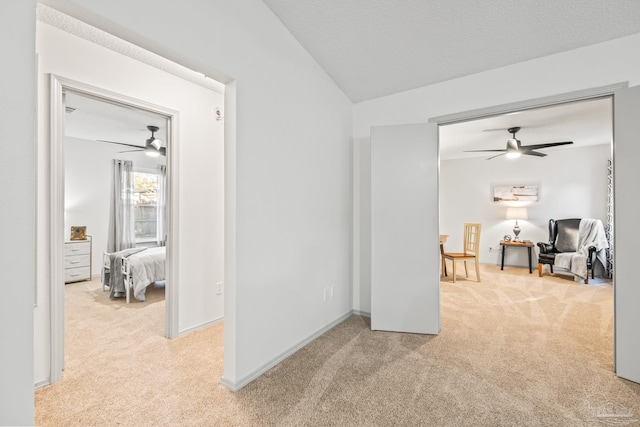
(473, 164)
(96, 103)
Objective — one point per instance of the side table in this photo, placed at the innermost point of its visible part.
(518, 244)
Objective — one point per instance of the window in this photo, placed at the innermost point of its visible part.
(145, 191)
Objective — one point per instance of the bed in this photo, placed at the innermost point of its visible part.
(133, 269)
(141, 269)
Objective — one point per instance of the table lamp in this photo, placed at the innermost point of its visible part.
(516, 213)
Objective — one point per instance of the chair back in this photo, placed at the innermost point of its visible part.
(563, 234)
(472, 237)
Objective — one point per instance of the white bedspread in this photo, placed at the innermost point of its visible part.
(146, 267)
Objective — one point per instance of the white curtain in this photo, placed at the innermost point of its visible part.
(121, 221)
(161, 209)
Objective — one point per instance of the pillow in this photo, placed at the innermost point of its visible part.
(567, 240)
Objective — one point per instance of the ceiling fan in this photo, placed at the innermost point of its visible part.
(153, 146)
(514, 149)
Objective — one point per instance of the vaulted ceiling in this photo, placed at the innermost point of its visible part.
(373, 48)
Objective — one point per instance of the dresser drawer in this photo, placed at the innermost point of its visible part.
(77, 248)
(75, 261)
(76, 274)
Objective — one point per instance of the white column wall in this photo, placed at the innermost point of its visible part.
(201, 218)
(17, 218)
(593, 66)
(292, 170)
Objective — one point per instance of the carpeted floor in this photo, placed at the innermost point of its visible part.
(515, 350)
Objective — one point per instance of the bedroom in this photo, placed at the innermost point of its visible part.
(95, 134)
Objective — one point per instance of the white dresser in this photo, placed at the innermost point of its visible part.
(77, 260)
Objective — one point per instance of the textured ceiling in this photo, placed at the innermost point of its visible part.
(373, 48)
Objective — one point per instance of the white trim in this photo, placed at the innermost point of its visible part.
(56, 213)
(63, 20)
(201, 326)
(42, 383)
(563, 98)
(276, 360)
(56, 231)
(173, 221)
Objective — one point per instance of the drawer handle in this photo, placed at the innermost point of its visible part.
(75, 262)
(75, 250)
(76, 274)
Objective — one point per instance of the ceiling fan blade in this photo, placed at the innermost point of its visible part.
(532, 153)
(120, 143)
(539, 146)
(163, 151)
(497, 155)
(483, 151)
(129, 151)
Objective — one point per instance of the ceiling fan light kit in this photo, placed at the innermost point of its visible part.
(152, 148)
(151, 151)
(514, 149)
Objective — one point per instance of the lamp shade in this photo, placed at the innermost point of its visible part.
(517, 213)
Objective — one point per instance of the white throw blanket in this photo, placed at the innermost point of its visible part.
(590, 233)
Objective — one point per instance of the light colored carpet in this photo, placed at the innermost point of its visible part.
(515, 350)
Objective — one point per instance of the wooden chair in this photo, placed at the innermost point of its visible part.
(471, 248)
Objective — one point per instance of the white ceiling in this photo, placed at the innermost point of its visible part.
(585, 123)
(96, 120)
(373, 48)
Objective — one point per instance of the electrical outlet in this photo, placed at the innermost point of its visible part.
(218, 288)
(332, 291)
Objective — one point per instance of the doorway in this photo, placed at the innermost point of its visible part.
(568, 180)
(195, 106)
(625, 130)
(625, 346)
(59, 87)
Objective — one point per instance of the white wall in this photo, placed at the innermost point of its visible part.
(201, 222)
(598, 65)
(572, 183)
(291, 203)
(88, 185)
(17, 218)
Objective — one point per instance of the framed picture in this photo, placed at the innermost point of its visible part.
(78, 232)
(515, 193)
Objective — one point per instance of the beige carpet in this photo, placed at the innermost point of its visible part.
(515, 350)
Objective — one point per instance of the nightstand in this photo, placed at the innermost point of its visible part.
(77, 260)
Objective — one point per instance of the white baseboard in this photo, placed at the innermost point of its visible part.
(200, 326)
(276, 360)
(42, 383)
(362, 313)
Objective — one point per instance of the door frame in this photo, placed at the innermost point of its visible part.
(549, 101)
(56, 209)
